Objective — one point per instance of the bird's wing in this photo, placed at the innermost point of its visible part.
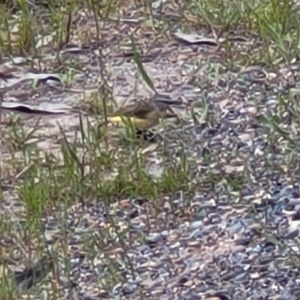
(138, 109)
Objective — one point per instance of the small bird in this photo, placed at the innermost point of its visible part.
(145, 114)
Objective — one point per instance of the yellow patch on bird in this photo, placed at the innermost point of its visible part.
(126, 120)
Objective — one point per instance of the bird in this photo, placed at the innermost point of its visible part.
(145, 114)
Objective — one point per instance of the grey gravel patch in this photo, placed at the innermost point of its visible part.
(220, 251)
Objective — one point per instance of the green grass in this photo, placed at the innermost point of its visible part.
(92, 169)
